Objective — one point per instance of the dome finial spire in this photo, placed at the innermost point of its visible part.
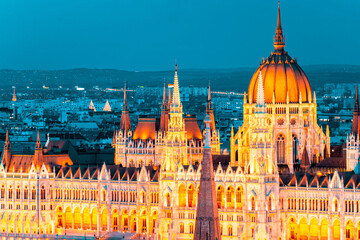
(279, 39)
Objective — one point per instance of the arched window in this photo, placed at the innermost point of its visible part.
(191, 201)
(51, 192)
(103, 195)
(219, 196)
(280, 144)
(26, 193)
(18, 192)
(33, 193)
(269, 204)
(295, 144)
(168, 200)
(252, 203)
(239, 195)
(191, 228)
(10, 192)
(2, 191)
(181, 228)
(43, 196)
(230, 230)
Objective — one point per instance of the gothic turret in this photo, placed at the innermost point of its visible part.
(14, 96)
(6, 155)
(210, 110)
(125, 118)
(164, 118)
(38, 156)
(279, 39)
(355, 127)
(207, 224)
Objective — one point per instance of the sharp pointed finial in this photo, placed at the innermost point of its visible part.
(279, 40)
(14, 96)
(260, 98)
(209, 93)
(245, 99)
(38, 143)
(7, 145)
(207, 134)
(125, 103)
(273, 99)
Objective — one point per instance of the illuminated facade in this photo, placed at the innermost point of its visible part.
(265, 189)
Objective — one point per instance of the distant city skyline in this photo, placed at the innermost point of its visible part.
(151, 35)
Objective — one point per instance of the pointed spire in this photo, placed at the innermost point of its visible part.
(232, 131)
(107, 107)
(125, 104)
(305, 160)
(7, 145)
(260, 98)
(279, 39)
(355, 126)
(207, 225)
(164, 118)
(164, 105)
(176, 97)
(125, 124)
(314, 98)
(245, 99)
(92, 106)
(300, 98)
(210, 110)
(38, 145)
(169, 98)
(14, 96)
(207, 132)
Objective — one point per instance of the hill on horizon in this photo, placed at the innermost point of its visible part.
(236, 80)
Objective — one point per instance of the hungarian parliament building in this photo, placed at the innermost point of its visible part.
(281, 179)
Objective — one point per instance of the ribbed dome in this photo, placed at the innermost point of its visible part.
(281, 75)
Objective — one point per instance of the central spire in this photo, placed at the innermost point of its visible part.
(176, 94)
(176, 106)
(279, 39)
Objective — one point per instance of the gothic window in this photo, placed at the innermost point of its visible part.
(43, 193)
(181, 228)
(26, 193)
(2, 191)
(269, 204)
(191, 228)
(295, 144)
(191, 196)
(18, 192)
(168, 200)
(33, 193)
(252, 203)
(51, 192)
(239, 195)
(10, 192)
(280, 144)
(230, 231)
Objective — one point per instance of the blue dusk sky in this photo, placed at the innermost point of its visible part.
(148, 35)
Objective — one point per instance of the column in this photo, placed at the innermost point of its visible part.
(98, 223)
(73, 221)
(82, 221)
(330, 232)
(109, 222)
